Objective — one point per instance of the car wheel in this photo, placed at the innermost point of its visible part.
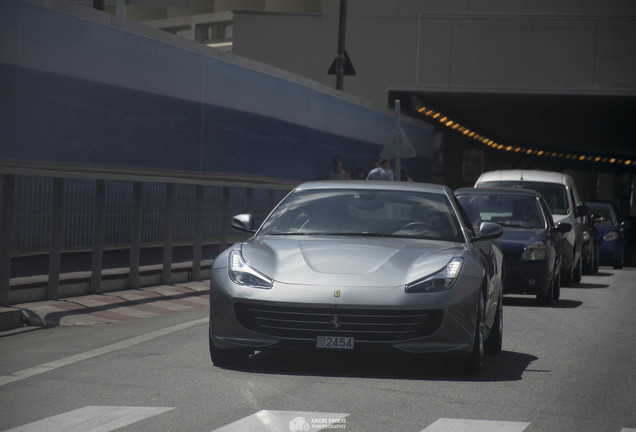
(546, 299)
(567, 276)
(473, 363)
(618, 264)
(556, 288)
(494, 342)
(229, 358)
(597, 260)
(588, 266)
(578, 274)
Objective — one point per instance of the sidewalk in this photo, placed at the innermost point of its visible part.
(115, 306)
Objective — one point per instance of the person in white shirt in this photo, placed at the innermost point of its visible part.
(383, 172)
(337, 173)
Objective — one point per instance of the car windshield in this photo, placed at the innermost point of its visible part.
(555, 194)
(506, 210)
(603, 215)
(365, 212)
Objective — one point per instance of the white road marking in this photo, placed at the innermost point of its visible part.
(287, 421)
(47, 367)
(92, 419)
(457, 425)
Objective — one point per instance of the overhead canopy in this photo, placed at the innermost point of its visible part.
(585, 125)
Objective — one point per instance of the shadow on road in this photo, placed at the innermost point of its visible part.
(505, 366)
(585, 285)
(530, 301)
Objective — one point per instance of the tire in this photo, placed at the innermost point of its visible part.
(546, 299)
(567, 276)
(475, 360)
(588, 267)
(597, 260)
(618, 264)
(229, 358)
(556, 288)
(494, 343)
(578, 274)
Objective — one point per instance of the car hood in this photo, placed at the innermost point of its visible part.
(516, 239)
(339, 261)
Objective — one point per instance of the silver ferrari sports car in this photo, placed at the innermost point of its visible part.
(360, 265)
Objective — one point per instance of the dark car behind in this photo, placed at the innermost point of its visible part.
(531, 242)
(611, 232)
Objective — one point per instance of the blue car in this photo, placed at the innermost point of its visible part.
(610, 231)
(531, 242)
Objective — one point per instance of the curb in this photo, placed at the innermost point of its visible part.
(115, 306)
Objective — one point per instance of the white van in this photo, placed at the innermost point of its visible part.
(561, 194)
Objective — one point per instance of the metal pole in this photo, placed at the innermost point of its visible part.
(398, 142)
(168, 226)
(342, 28)
(98, 236)
(225, 218)
(57, 231)
(7, 218)
(135, 235)
(197, 232)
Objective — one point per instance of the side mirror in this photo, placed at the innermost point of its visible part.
(562, 227)
(243, 222)
(581, 211)
(489, 231)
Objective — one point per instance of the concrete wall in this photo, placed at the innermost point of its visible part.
(465, 44)
(81, 86)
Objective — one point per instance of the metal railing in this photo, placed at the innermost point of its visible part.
(54, 209)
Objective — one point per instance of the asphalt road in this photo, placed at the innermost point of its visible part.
(569, 367)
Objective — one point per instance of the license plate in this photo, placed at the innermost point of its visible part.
(335, 342)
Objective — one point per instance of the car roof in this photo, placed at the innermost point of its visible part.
(376, 184)
(498, 191)
(526, 175)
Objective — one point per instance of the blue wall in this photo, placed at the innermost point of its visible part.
(74, 90)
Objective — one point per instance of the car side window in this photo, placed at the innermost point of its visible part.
(545, 209)
(573, 199)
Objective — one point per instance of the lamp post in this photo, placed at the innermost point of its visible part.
(342, 28)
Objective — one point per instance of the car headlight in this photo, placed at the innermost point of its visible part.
(440, 281)
(534, 252)
(242, 274)
(610, 236)
(586, 236)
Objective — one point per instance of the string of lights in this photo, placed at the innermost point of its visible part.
(531, 151)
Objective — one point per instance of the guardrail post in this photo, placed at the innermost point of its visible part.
(168, 223)
(225, 218)
(249, 200)
(135, 235)
(7, 220)
(98, 236)
(57, 229)
(272, 199)
(197, 232)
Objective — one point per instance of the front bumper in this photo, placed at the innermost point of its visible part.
(289, 317)
(610, 252)
(527, 277)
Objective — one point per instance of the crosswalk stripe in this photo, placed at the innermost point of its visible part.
(459, 425)
(93, 419)
(287, 421)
